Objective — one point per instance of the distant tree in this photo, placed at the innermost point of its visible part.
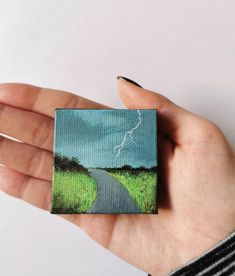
(153, 169)
(127, 168)
(64, 163)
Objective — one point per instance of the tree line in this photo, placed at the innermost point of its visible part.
(72, 164)
(64, 163)
(129, 168)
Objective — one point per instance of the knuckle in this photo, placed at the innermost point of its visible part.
(23, 188)
(209, 131)
(42, 134)
(33, 165)
(2, 110)
(46, 201)
(71, 101)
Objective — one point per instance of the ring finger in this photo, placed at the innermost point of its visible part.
(25, 158)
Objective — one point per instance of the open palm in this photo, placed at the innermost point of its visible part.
(196, 176)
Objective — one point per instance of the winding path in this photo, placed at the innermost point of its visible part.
(112, 196)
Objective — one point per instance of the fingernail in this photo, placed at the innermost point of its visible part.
(129, 80)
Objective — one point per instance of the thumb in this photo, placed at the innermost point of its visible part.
(172, 119)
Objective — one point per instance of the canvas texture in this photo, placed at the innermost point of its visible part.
(105, 161)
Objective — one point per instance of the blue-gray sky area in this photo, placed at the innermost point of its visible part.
(91, 136)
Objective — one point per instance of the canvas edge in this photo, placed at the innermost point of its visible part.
(53, 171)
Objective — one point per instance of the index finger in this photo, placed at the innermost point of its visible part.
(42, 100)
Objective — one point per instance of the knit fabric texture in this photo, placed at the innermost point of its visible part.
(218, 261)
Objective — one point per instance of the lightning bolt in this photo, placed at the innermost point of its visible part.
(117, 149)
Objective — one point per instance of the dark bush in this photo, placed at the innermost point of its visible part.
(64, 163)
(130, 169)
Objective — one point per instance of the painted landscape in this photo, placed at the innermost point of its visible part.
(105, 161)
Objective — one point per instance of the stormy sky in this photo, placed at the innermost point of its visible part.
(91, 136)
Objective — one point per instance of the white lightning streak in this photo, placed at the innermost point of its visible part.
(117, 149)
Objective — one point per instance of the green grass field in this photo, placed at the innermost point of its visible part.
(74, 192)
(141, 186)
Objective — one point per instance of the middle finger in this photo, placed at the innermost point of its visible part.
(29, 127)
(26, 159)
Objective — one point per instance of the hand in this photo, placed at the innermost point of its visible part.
(196, 171)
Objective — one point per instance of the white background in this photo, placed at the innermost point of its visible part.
(184, 49)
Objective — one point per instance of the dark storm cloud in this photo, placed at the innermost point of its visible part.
(91, 135)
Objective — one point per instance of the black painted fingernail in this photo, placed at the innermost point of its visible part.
(118, 77)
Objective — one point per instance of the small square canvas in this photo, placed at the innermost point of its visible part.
(105, 161)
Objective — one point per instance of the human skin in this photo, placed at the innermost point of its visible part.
(196, 176)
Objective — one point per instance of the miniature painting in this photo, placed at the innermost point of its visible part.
(105, 161)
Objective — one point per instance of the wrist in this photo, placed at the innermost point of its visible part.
(219, 258)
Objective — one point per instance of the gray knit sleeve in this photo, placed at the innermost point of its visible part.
(218, 261)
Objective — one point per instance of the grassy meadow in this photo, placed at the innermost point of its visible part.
(75, 190)
(141, 186)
